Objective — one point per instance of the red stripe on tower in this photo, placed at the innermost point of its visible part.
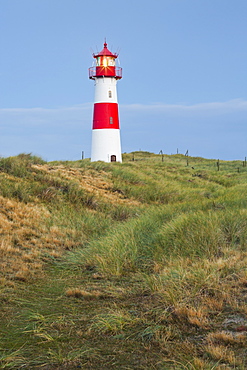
(105, 115)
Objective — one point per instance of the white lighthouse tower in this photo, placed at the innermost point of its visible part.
(106, 145)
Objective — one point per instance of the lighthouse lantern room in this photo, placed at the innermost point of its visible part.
(106, 145)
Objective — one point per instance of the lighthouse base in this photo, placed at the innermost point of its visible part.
(106, 145)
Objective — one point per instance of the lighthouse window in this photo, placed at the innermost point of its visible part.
(110, 94)
(111, 120)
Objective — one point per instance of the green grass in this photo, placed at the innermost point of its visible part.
(139, 265)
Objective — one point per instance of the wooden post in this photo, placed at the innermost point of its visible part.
(186, 155)
(218, 164)
(162, 155)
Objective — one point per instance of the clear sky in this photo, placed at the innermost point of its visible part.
(184, 84)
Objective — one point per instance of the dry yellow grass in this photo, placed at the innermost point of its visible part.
(99, 183)
(197, 317)
(82, 293)
(226, 337)
(26, 240)
(222, 353)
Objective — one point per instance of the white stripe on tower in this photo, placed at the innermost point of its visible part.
(106, 145)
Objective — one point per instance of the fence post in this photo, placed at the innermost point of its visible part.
(162, 155)
(218, 164)
(186, 155)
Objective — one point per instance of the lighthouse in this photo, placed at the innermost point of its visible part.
(106, 144)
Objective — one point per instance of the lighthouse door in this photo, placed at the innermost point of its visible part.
(113, 158)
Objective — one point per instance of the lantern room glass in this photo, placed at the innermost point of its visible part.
(105, 61)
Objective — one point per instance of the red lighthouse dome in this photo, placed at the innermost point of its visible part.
(105, 65)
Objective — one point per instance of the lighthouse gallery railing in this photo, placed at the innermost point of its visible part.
(105, 71)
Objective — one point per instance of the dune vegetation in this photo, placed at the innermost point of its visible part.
(139, 265)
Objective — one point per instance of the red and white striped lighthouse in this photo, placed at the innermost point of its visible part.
(106, 145)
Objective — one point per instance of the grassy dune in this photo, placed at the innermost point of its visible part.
(139, 265)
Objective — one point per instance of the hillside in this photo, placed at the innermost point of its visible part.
(139, 265)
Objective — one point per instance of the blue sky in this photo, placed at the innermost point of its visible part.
(184, 80)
